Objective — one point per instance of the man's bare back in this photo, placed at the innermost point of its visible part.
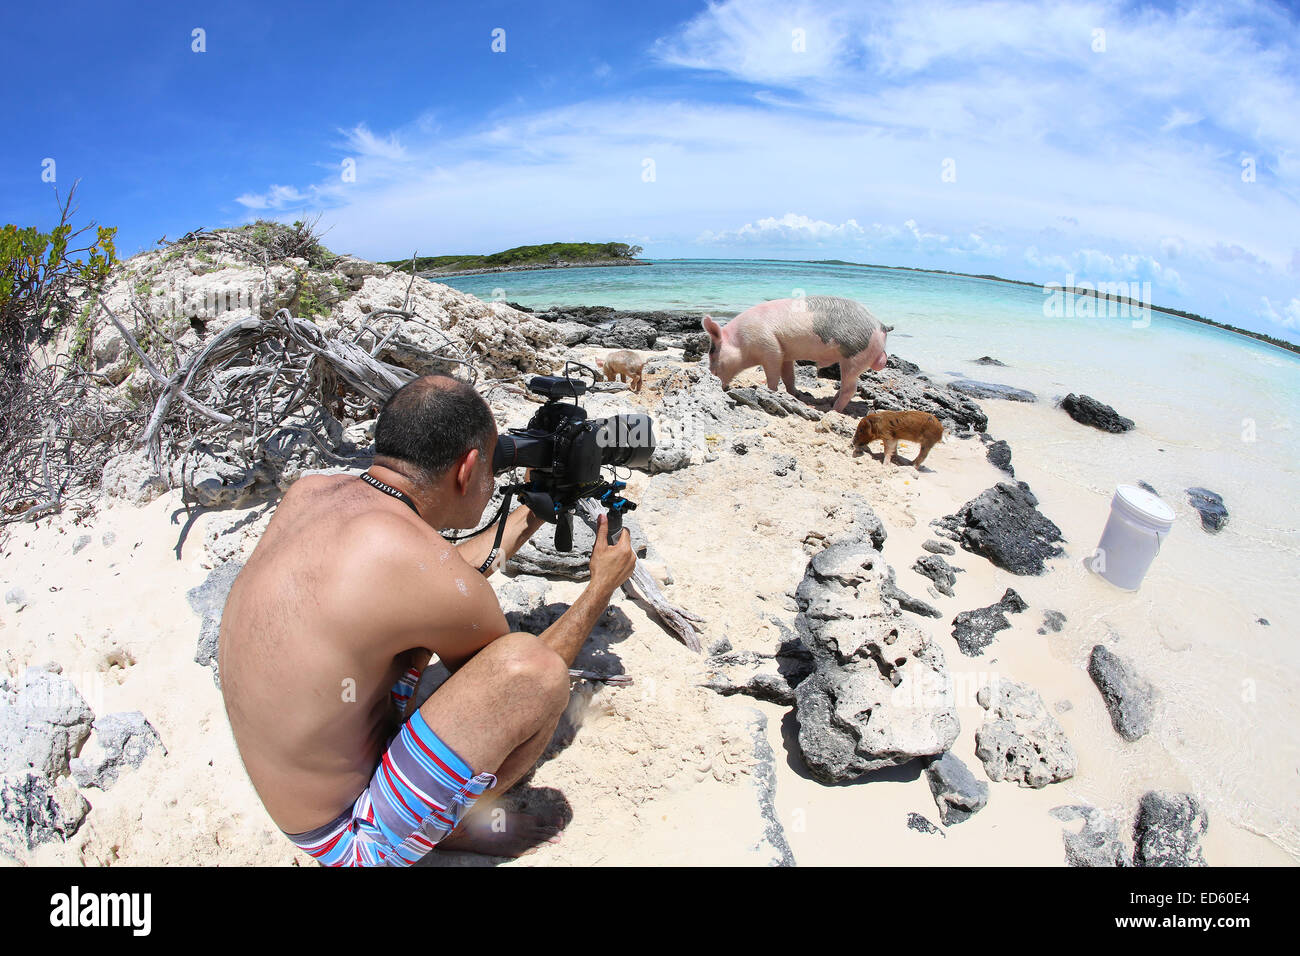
(307, 614)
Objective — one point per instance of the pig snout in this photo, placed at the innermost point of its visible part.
(880, 362)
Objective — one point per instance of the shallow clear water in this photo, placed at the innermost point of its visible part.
(1212, 408)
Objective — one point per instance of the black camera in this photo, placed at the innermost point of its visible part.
(566, 452)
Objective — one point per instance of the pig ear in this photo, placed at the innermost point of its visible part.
(887, 328)
(714, 330)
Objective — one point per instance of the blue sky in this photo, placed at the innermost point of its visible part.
(1002, 137)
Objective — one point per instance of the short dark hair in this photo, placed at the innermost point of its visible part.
(431, 422)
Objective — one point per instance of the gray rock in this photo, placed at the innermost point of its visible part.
(784, 465)
(80, 543)
(522, 593)
(853, 519)
(1086, 410)
(539, 556)
(1064, 707)
(694, 407)
(937, 570)
(879, 691)
(122, 741)
(108, 539)
(1210, 505)
(920, 824)
(721, 646)
(779, 404)
(1262, 620)
(935, 546)
(208, 600)
(985, 390)
(1020, 740)
(44, 720)
(573, 333)
(957, 793)
(34, 811)
(773, 688)
(999, 455)
(1052, 621)
(16, 595)
(989, 360)
(974, 630)
(1003, 524)
(1098, 843)
(695, 346)
(1147, 488)
(624, 334)
(1129, 698)
(890, 589)
(131, 476)
(1168, 830)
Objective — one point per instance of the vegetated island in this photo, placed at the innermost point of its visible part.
(1095, 293)
(551, 255)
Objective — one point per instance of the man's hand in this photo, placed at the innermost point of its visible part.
(611, 564)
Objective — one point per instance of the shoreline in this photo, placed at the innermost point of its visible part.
(1261, 337)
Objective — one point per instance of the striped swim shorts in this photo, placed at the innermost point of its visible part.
(420, 791)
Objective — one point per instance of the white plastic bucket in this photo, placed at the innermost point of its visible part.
(1137, 525)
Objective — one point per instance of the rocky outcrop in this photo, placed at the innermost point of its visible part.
(943, 574)
(958, 794)
(1130, 699)
(938, 547)
(625, 334)
(989, 360)
(208, 601)
(986, 390)
(853, 520)
(778, 404)
(34, 811)
(694, 407)
(120, 741)
(44, 720)
(1169, 829)
(1214, 515)
(999, 456)
(1086, 410)
(879, 693)
(974, 630)
(1097, 843)
(131, 477)
(1020, 740)
(1004, 525)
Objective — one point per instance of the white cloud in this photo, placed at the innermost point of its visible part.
(790, 227)
(1287, 314)
(277, 197)
(360, 141)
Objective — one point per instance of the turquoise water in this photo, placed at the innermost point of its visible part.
(1212, 409)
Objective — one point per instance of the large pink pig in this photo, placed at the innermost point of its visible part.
(823, 328)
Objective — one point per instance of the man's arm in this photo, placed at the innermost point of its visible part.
(521, 524)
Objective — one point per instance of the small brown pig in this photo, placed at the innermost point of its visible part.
(889, 427)
(624, 363)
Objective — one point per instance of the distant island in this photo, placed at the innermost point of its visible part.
(551, 255)
(1099, 294)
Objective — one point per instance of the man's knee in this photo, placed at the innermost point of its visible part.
(522, 658)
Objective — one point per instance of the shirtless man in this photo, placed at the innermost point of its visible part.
(341, 605)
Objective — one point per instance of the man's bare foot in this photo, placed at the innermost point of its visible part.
(498, 832)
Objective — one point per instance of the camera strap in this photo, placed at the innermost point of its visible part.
(388, 489)
(501, 530)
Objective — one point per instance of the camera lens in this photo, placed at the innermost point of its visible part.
(626, 440)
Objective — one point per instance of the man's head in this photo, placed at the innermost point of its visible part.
(440, 434)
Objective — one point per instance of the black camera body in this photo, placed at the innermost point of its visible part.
(566, 451)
